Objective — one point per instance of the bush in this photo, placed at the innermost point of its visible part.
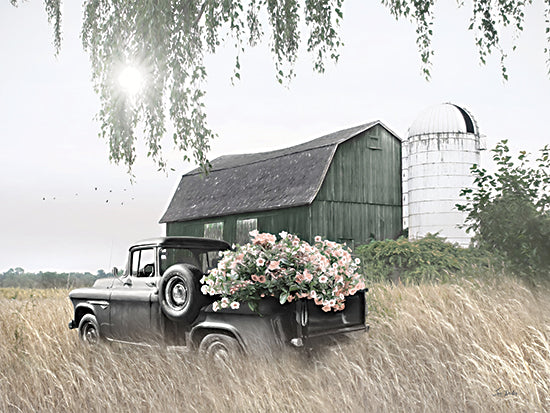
(509, 210)
(426, 259)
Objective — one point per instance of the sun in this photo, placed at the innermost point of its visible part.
(130, 80)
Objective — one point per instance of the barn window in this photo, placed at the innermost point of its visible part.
(213, 230)
(244, 226)
(374, 143)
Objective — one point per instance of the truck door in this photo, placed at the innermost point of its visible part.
(134, 301)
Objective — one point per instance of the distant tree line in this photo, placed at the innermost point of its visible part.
(18, 277)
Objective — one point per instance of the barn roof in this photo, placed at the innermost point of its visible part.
(259, 181)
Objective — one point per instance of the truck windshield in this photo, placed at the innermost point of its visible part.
(174, 255)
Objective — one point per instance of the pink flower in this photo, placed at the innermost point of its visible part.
(308, 276)
(261, 278)
(273, 265)
(326, 308)
(254, 277)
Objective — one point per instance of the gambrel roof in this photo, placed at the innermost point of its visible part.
(259, 181)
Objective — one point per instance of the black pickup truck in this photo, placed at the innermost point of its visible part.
(158, 300)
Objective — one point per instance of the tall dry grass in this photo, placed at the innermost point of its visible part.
(468, 346)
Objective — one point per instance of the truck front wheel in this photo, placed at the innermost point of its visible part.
(220, 347)
(88, 330)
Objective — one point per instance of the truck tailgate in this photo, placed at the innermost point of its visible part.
(316, 322)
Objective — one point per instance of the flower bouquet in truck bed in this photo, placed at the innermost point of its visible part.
(287, 269)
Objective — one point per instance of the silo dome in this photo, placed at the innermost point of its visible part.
(442, 145)
(443, 119)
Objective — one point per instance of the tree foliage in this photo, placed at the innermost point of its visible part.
(168, 39)
(509, 210)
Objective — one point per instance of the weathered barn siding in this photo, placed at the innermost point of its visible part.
(360, 198)
(294, 220)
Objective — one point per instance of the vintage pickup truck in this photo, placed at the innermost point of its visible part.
(158, 300)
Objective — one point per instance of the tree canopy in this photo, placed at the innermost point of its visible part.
(165, 41)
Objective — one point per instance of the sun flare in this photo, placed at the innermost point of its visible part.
(130, 80)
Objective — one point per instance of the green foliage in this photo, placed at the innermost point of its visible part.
(18, 278)
(509, 210)
(426, 259)
(167, 41)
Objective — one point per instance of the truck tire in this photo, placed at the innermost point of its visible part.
(221, 348)
(180, 297)
(88, 330)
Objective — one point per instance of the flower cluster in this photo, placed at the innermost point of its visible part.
(288, 269)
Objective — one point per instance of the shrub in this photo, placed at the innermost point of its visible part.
(509, 210)
(287, 269)
(428, 258)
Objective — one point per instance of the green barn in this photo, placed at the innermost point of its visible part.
(345, 186)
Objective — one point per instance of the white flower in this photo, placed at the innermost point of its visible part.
(204, 289)
(283, 234)
(215, 306)
(357, 261)
(312, 294)
(318, 238)
(235, 305)
(323, 279)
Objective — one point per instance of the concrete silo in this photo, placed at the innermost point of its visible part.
(442, 145)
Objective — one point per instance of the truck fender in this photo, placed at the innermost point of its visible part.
(199, 331)
(80, 310)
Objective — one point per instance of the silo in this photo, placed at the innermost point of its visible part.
(442, 145)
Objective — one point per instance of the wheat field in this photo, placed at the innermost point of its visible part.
(466, 346)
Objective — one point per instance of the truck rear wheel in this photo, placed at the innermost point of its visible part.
(179, 295)
(220, 347)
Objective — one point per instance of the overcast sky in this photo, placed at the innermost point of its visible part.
(64, 207)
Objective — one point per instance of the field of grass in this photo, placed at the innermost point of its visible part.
(465, 346)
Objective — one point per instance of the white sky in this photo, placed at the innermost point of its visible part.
(50, 146)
